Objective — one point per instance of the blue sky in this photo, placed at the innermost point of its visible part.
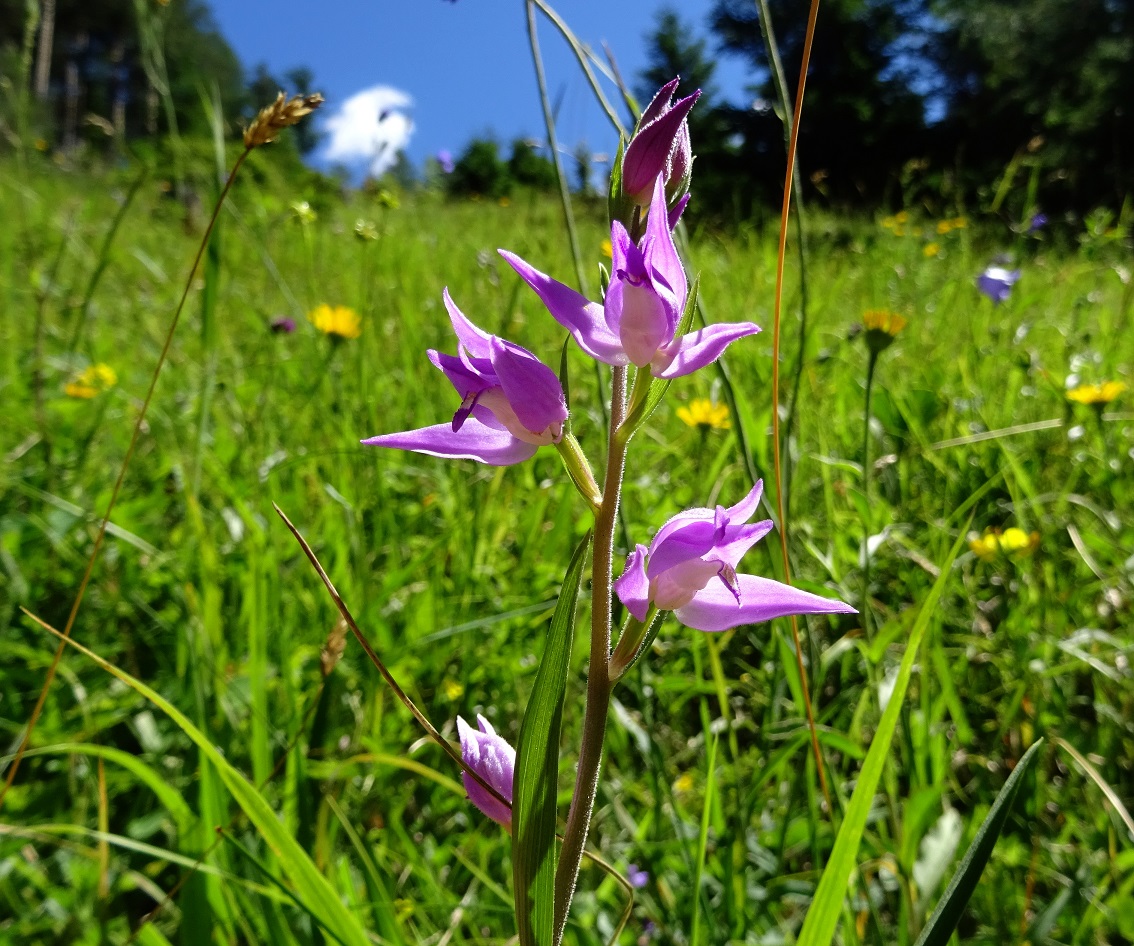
(466, 65)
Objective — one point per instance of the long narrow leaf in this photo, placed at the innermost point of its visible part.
(819, 926)
(319, 896)
(537, 771)
(952, 904)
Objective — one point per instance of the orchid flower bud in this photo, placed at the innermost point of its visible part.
(490, 756)
(660, 145)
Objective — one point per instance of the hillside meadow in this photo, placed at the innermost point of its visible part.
(710, 796)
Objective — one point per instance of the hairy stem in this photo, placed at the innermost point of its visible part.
(598, 673)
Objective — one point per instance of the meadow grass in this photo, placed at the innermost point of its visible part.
(452, 570)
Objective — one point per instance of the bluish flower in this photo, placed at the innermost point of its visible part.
(445, 159)
(690, 569)
(1039, 221)
(511, 402)
(996, 282)
(490, 756)
(637, 321)
(638, 878)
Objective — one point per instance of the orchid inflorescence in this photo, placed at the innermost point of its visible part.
(510, 403)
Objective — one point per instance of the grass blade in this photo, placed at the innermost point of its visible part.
(952, 904)
(320, 897)
(537, 770)
(819, 926)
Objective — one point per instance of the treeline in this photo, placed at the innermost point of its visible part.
(108, 71)
(911, 98)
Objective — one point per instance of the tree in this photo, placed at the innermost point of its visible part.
(864, 116)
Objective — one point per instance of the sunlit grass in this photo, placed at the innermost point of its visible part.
(452, 570)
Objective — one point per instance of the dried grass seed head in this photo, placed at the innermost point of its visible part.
(282, 113)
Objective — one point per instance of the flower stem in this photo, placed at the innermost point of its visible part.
(866, 525)
(599, 683)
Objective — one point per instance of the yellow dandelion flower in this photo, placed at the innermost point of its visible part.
(931, 250)
(91, 381)
(337, 322)
(704, 414)
(683, 784)
(959, 223)
(1096, 395)
(902, 217)
(452, 689)
(944, 227)
(986, 546)
(881, 327)
(1012, 542)
(606, 249)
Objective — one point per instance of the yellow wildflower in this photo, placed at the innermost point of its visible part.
(704, 414)
(902, 217)
(881, 328)
(606, 249)
(91, 381)
(683, 784)
(365, 229)
(1013, 542)
(931, 250)
(959, 223)
(1096, 395)
(452, 689)
(338, 321)
(944, 227)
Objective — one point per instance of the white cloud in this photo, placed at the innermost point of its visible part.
(370, 128)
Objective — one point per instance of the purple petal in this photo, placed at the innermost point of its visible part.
(679, 542)
(530, 386)
(490, 756)
(476, 340)
(761, 599)
(645, 321)
(698, 349)
(474, 441)
(460, 375)
(582, 318)
(633, 588)
(659, 104)
(677, 211)
(661, 254)
(739, 539)
(648, 153)
(746, 508)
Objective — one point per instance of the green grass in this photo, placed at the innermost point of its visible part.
(452, 571)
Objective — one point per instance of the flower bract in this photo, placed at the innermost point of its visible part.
(637, 321)
(490, 756)
(690, 569)
(511, 402)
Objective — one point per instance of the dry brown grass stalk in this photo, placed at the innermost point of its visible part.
(282, 113)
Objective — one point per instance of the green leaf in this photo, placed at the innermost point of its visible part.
(319, 896)
(535, 783)
(819, 926)
(952, 904)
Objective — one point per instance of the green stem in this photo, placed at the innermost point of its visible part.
(599, 683)
(866, 525)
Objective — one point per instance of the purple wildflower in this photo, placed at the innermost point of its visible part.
(637, 321)
(511, 402)
(996, 282)
(1039, 221)
(659, 146)
(445, 159)
(490, 756)
(283, 325)
(638, 878)
(679, 572)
